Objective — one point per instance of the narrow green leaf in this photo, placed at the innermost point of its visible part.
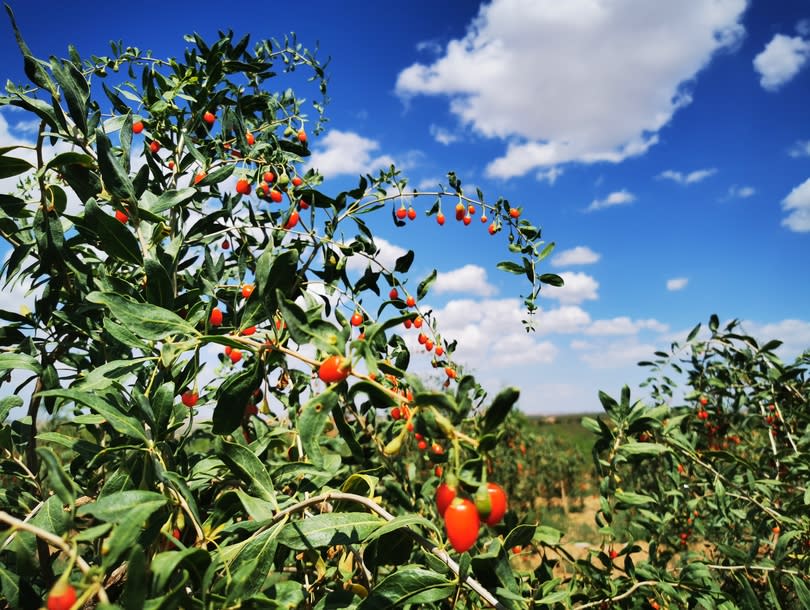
(424, 285)
(510, 267)
(311, 422)
(409, 586)
(113, 175)
(245, 465)
(10, 361)
(146, 321)
(500, 408)
(552, 279)
(12, 166)
(633, 499)
(232, 398)
(328, 529)
(404, 522)
(114, 237)
(7, 404)
(404, 262)
(169, 199)
(122, 423)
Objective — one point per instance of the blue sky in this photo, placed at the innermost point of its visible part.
(664, 147)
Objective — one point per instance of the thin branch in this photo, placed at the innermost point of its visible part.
(57, 542)
(628, 593)
(441, 554)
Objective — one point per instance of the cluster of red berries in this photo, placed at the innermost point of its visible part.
(463, 516)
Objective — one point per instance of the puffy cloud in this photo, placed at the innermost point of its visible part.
(578, 287)
(346, 152)
(795, 335)
(677, 283)
(562, 320)
(616, 354)
(741, 192)
(490, 333)
(623, 325)
(580, 255)
(470, 279)
(442, 135)
(615, 198)
(800, 149)
(690, 178)
(781, 60)
(797, 204)
(511, 75)
(549, 175)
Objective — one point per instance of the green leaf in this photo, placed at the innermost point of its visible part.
(12, 166)
(522, 535)
(10, 587)
(58, 479)
(552, 279)
(114, 237)
(168, 200)
(500, 408)
(245, 465)
(75, 91)
(642, 449)
(33, 69)
(113, 175)
(328, 529)
(233, 396)
(510, 267)
(409, 586)
(146, 321)
(633, 499)
(424, 285)
(404, 262)
(134, 595)
(7, 404)
(404, 522)
(311, 422)
(116, 507)
(9, 361)
(122, 423)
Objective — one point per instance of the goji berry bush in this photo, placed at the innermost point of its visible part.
(206, 408)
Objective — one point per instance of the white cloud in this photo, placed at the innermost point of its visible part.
(490, 333)
(781, 60)
(797, 204)
(795, 335)
(800, 149)
(580, 255)
(741, 192)
(581, 80)
(549, 175)
(677, 283)
(617, 354)
(690, 178)
(562, 320)
(469, 279)
(615, 198)
(387, 255)
(578, 287)
(442, 135)
(346, 152)
(623, 325)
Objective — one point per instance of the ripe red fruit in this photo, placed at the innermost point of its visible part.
(357, 319)
(704, 401)
(226, 245)
(154, 146)
(243, 187)
(460, 209)
(249, 330)
(471, 209)
(209, 117)
(514, 212)
(269, 177)
(189, 398)
(275, 196)
(440, 218)
(292, 220)
(247, 290)
(334, 369)
(297, 181)
(444, 496)
(216, 317)
(492, 229)
(411, 213)
(121, 216)
(393, 294)
(428, 345)
(467, 219)
(235, 355)
(439, 350)
(410, 301)
(484, 218)
(421, 338)
(199, 177)
(61, 597)
(417, 323)
(250, 139)
(302, 136)
(137, 127)
(450, 372)
(402, 213)
(302, 205)
(422, 445)
(396, 413)
(461, 523)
